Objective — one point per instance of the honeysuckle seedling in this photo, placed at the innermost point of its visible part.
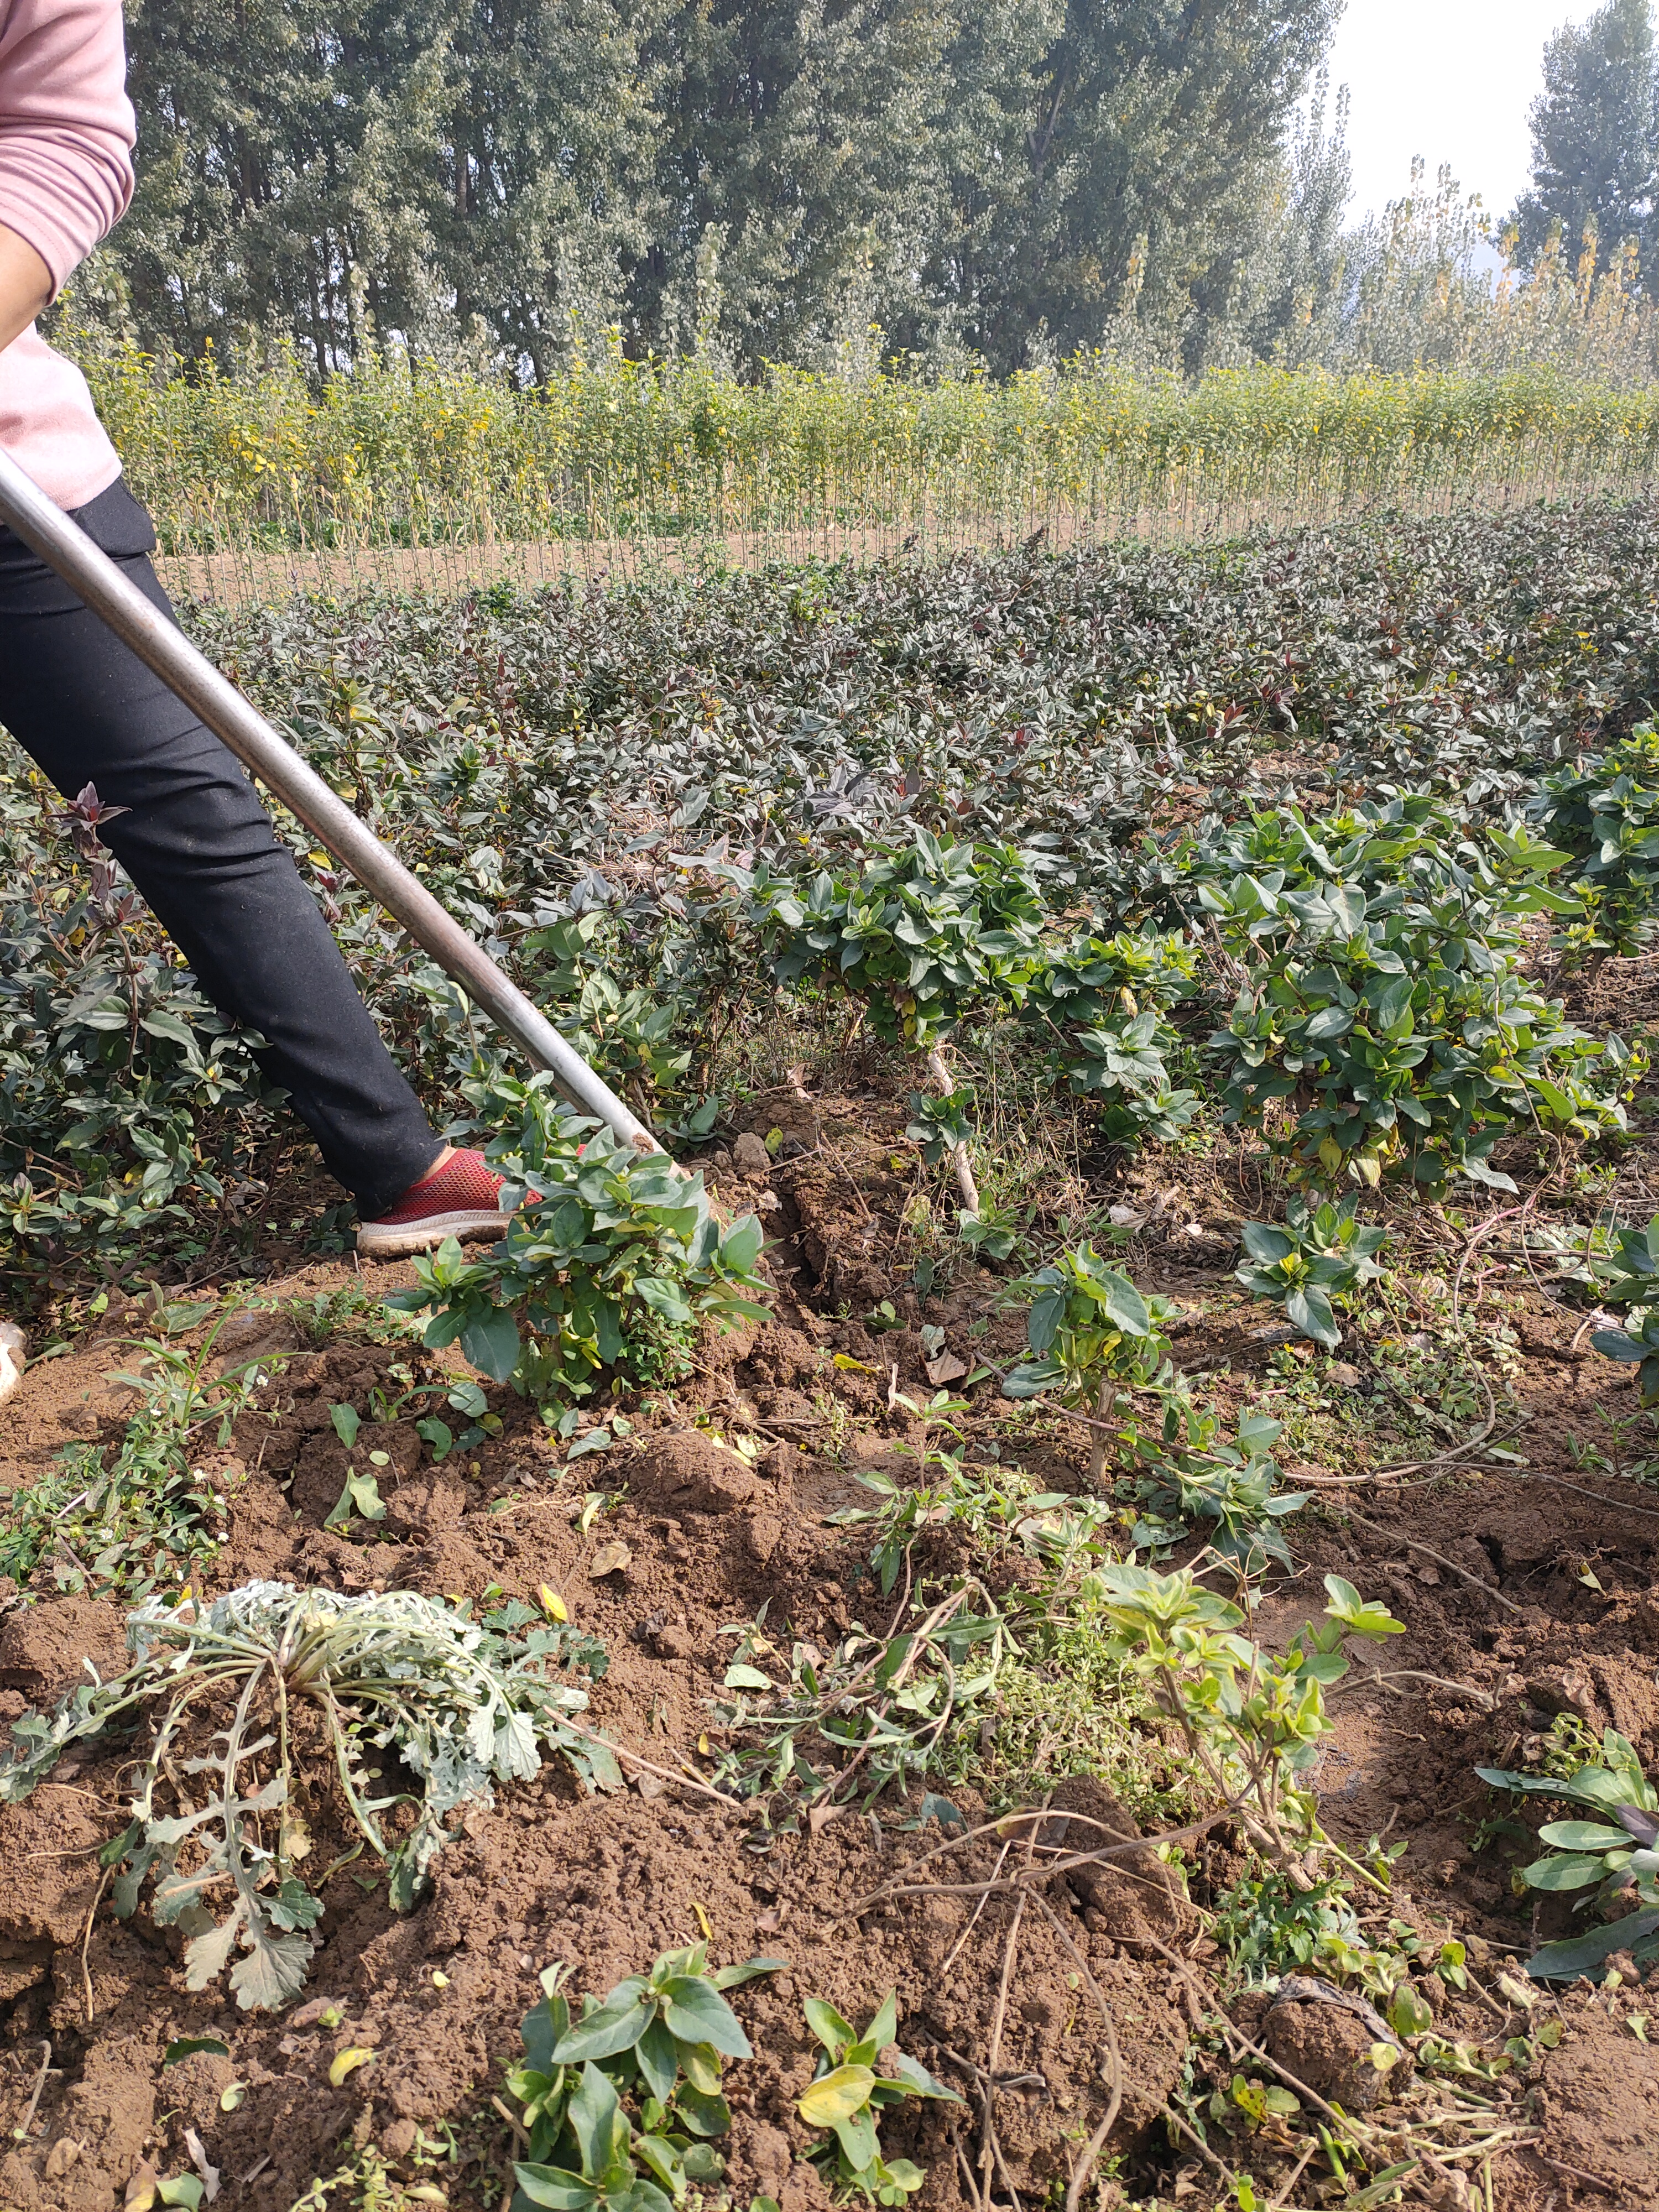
(670, 2021)
(1322, 1253)
(1615, 1855)
(659, 2040)
(847, 2093)
(1253, 1720)
(610, 1252)
(1090, 1332)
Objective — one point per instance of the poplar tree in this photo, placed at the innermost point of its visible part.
(1594, 140)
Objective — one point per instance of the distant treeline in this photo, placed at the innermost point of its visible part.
(751, 180)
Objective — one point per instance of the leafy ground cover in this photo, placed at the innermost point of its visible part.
(1089, 1589)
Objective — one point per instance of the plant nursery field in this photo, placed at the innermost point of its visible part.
(1072, 1618)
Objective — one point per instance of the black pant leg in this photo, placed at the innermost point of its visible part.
(202, 851)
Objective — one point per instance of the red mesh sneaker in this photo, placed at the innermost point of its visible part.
(461, 1198)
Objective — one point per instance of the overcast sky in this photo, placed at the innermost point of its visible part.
(1451, 80)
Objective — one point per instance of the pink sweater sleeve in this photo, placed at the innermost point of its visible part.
(66, 126)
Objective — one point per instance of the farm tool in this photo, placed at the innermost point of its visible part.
(89, 570)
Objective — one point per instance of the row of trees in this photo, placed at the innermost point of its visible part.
(767, 178)
(818, 182)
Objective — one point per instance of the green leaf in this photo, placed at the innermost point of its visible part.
(703, 2112)
(1562, 1873)
(347, 1422)
(1355, 1614)
(858, 2141)
(1042, 1322)
(732, 1978)
(1583, 1836)
(1613, 1344)
(885, 2026)
(1541, 1785)
(1265, 1245)
(663, 2161)
(188, 2047)
(832, 2031)
(1031, 1377)
(552, 2187)
(740, 1247)
(697, 2013)
(615, 2026)
(491, 1341)
(1310, 1310)
(914, 2078)
(1582, 1954)
(596, 2121)
(657, 2056)
(1125, 1304)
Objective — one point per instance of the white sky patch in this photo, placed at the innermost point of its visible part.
(1451, 80)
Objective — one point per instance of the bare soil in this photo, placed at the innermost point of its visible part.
(1523, 1597)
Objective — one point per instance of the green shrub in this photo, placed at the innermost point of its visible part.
(1605, 814)
(1380, 995)
(1193, 1477)
(1091, 1334)
(1096, 1008)
(1253, 1721)
(1322, 1253)
(1405, 1039)
(627, 1032)
(611, 1256)
(922, 934)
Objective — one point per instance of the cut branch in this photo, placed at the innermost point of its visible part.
(964, 1173)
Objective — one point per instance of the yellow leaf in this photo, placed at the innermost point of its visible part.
(141, 2190)
(848, 1365)
(347, 2061)
(837, 2096)
(552, 1604)
(319, 858)
(702, 1920)
(1383, 2056)
(702, 1745)
(439, 1981)
(232, 2096)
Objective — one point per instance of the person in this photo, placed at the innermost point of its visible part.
(193, 836)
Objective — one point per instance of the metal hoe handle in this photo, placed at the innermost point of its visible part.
(87, 570)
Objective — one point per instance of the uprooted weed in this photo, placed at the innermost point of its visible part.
(458, 1704)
